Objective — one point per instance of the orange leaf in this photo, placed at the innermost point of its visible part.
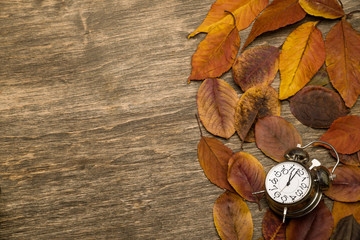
(216, 53)
(232, 217)
(344, 134)
(213, 157)
(246, 175)
(330, 9)
(216, 101)
(317, 225)
(256, 102)
(272, 227)
(348, 159)
(342, 60)
(341, 210)
(302, 55)
(244, 11)
(278, 14)
(346, 185)
(257, 65)
(274, 136)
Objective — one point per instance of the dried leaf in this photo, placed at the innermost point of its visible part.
(244, 12)
(278, 14)
(256, 102)
(213, 157)
(317, 107)
(317, 225)
(342, 60)
(347, 229)
(348, 159)
(216, 102)
(330, 9)
(346, 186)
(302, 55)
(344, 134)
(272, 227)
(341, 210)
(246, 175)
(321, 78)
(216, 53)
(274, 136)
(232, 217)
(257, 65)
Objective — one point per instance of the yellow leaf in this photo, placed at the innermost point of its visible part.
(302, 55)
(244, 11)
(330, 9)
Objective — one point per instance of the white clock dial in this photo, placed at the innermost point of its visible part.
(288, 182)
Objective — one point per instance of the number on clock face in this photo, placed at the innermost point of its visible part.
(287, 182)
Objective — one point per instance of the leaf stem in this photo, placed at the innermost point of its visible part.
(232, 16)
(341, 4)
(349, 15)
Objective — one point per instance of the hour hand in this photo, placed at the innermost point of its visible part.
(291, 178)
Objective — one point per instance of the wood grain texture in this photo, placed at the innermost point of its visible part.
(97, 129)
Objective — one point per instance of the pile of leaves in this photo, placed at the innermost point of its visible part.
(306, 63)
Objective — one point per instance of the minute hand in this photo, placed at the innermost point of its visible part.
(291, 178)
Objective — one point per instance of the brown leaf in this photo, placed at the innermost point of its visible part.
(317, 225)
(256, 102)
(272, 227)
(344, 134)
(257, 65)
(302, 55)
(346, 186)
(246, 175)
(330, 9)
(244, 12)
(213, 157)
(348, 159)
(216, 102)
(274, 136)
(216, 53)
(232, 217)
(278, 14)
(317, 107)
(347, 229)
(321, 78)
(341, 210)
(342, 60)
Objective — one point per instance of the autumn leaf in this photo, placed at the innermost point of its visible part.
(256, 102)
(346, 186)
(246, 175)
(317, 107)
(347, 229)
(244, 11)
(341, 210)
(321, 78)
(274, 136)
(278, 14)
(302, 55)
(254, 66)
(216, 53)
(216, 102)
(344, 134)
(348, 159)
(272, 227)
(330, 9)
(342, 60)
(232, 217)
(317, 225)
(213, 157)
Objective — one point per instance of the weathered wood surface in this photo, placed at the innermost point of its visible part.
(98, 136)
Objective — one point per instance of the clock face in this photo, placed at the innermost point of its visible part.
(288, 182)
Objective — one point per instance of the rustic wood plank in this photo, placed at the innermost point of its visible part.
(98, 135)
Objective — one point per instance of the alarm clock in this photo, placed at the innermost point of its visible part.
(293, 188)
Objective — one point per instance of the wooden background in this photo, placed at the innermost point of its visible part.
(97, 130)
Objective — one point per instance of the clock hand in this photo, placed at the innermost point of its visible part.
(288, 183)
(290, 177)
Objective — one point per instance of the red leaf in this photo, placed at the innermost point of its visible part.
(272, 227)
